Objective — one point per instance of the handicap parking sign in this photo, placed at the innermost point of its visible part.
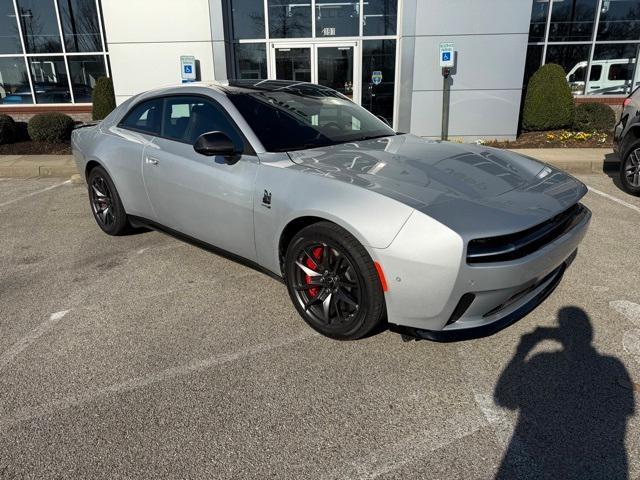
(188, 69)
(447, 59)
(446, 56)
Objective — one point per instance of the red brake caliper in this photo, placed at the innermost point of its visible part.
(317, 254)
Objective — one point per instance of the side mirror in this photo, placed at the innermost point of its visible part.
(216, 143)
(380, 117)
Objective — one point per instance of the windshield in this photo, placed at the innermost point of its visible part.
(292, 119)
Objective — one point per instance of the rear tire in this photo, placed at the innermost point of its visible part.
(333, 282)
(630, 170)
(105, 203)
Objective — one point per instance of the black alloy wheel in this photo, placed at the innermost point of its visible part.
(105, 203)
(630, 170)
(333, 282)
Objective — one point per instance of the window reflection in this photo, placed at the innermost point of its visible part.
(293, 64)
(572, 20)
(289, 19)
(572, 58)
(619, 20)
(80, 25)
(248, 19)
(14, 83)
(379, 17)
(9, 38)
(532, 62)
(85, 71)
(250, 61)
(538, 25)
(337, 19)
(615, 67)
(378, 77)
(39, 26)
(49, 77)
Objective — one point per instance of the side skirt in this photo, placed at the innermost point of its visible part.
(140, 222)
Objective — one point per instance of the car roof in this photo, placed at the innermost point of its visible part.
(240, 86)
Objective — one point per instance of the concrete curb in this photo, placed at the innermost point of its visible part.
(575, 160)
(24, 166)
(572, 160)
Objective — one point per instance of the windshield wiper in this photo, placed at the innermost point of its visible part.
(370, 137)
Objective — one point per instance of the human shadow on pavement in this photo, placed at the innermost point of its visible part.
(573, 403)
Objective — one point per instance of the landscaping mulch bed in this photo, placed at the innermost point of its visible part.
(557, 139)
(30, 147)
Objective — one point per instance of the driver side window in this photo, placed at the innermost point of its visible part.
(185, 118)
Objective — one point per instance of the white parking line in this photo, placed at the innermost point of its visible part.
(614, 199)
(18, 347)
(135, 383)
(34, 193)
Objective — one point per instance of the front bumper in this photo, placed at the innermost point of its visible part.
(502, 292)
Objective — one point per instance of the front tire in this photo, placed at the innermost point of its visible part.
(630, 170)
(105, 203)
(333, 282)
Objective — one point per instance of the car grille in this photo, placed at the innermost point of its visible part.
(517, 245)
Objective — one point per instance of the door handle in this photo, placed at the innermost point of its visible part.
(151, 161)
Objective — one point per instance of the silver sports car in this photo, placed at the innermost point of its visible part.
(364, 225)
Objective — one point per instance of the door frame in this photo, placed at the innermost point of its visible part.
(313, 46)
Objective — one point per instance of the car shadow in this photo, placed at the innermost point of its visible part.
(573, 406)
(612, 169)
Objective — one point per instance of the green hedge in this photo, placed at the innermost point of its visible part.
(50, 127)
(548, 104)
(104, 100)
(594, 117)
(8, 130)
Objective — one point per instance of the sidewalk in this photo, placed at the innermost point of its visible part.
(37, 166)
(572, 160)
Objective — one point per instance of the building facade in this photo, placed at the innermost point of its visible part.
(384, 54)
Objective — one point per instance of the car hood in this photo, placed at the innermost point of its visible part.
(475, 190)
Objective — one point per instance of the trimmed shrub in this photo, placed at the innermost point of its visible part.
(8, 130)
(548, 104)
(594, 117)
(50, 127)
(104, 100)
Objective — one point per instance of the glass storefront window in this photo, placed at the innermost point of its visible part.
(9, 37)
(250, 61)
(538, 24)
(85, 71)
(248, 19)
(14, 83)
(289, 19)
(80, 25)
(380, 17)
(293, 64)
(49, 77)
(532, 62)
(572, 20)
(379, 57)
(337, 19)
(613, 69)
(39, 26)
(572, 58)
(619, 20)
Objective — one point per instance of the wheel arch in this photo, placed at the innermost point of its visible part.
(296, 224)
(632, 136)
(91, 164)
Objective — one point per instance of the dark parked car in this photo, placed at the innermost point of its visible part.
(626, 143)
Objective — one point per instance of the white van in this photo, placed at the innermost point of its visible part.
(608, 77)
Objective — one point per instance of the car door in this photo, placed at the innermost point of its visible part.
(201, 196)
(131, 137)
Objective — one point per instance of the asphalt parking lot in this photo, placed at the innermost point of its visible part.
(145, 357)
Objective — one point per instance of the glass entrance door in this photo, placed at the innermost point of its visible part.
(336, 68)
(330, 64)
(293, 63)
